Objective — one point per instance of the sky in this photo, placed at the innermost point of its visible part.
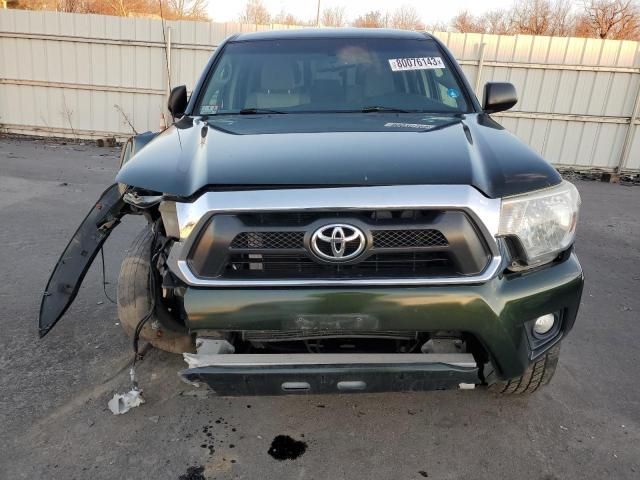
(432, 11)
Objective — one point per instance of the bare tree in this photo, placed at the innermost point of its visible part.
(70, 6)
(122, 8)
(497, 22)
(532, 17)
(542, 17)
(118, 7)
(407, 18)
(32, 4)
(284, 18)
(333, 17)
(618, 19)
(187, 10)
(464, 22)
(171, 9)
(564, 18)
(436, 27)
(256, 13)
(372, 19)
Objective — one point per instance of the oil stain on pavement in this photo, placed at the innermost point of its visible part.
(284, 447)
(193, 473)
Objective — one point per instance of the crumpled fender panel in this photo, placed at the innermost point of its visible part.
(134, 144)
(78, 256)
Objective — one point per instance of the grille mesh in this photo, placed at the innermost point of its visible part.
(381, 239)
(269, 240)
(279, 265)
(408, 238)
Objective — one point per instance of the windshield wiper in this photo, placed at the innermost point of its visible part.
(256, 111)
(378, 108)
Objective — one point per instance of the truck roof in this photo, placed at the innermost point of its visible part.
(330, 33)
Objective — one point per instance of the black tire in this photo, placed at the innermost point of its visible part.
(134, 299)
(538, 374)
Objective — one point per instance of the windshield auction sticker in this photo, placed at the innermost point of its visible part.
(209, 109)
(419, 63)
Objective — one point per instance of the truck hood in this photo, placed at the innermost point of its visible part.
(337, 150)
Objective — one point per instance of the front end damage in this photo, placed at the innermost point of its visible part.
(318, 373)
(259, 329)
(155, 322)
(85, 244)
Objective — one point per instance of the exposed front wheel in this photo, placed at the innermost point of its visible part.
(538, 374)
(135, 299)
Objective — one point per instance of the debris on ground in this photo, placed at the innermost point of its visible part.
(630, 179)
(106, 142)
(122, 403)
(595, 174)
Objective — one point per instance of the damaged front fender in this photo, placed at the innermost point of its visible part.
(78, 256)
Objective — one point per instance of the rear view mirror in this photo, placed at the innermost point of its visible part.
(177, 103)
(499, 96)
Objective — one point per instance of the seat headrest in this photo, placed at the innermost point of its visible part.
(375, 81)
(278, 75)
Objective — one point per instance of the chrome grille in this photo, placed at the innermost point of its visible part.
(401, 244)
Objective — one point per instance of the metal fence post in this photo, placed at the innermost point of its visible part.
(480, 65)
(628, 137)
(168, 47)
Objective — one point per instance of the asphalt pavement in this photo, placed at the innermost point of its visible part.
(54, 421)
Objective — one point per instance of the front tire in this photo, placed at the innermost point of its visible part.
(537, 375)
(134, 299)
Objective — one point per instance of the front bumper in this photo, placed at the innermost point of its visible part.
(256, 374)
(494, 312)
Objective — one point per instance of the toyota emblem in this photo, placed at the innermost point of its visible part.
(338, 242)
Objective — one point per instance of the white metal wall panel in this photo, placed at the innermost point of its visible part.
(576, 95)
(80, 74)
(89, 75)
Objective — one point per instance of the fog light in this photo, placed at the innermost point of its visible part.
(544, 324)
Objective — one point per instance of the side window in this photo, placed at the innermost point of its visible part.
(217, 94)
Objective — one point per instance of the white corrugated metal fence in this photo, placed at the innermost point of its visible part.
(91, 75)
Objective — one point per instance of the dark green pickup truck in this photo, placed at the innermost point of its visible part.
(333, 211)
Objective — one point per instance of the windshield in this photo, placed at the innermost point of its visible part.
(332, 75)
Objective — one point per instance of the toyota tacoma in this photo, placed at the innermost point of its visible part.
(334, 211)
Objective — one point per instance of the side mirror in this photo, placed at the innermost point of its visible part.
(499, 96)
(177, 103)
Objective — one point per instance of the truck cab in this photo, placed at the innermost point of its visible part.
(333, 210)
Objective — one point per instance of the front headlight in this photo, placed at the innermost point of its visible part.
(544, 222)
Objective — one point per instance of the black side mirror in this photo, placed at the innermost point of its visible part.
(499, 96)
(177, 103)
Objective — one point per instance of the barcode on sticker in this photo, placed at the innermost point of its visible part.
(418, 63)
